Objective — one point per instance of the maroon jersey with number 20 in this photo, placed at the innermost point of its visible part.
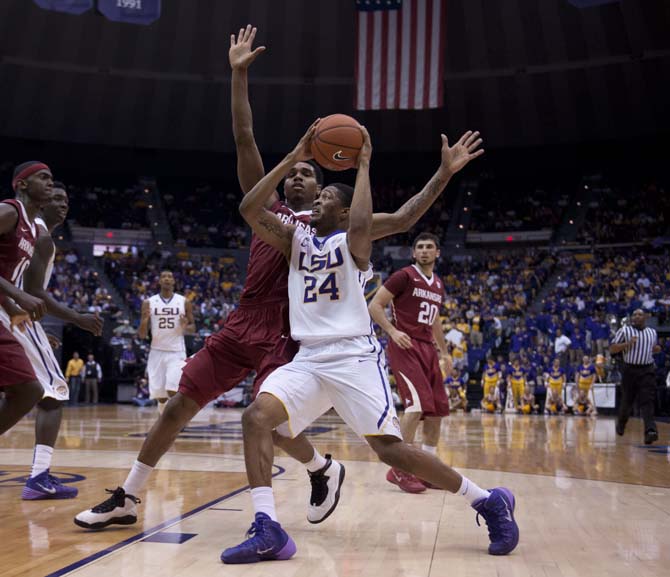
(416, 304)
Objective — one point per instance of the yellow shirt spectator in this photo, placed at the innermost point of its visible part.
(74, 367)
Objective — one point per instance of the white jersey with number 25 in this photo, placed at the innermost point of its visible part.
(167, 333)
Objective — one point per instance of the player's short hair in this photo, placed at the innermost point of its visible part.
(426, 236)
(160, 272)
(318, 173)
(59, 184)
(344, 192)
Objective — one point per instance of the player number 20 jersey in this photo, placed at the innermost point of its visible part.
(326, 289)
(167, 333)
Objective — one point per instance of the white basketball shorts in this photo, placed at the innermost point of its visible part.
(348, 375)
(41, 356)
(164, 372)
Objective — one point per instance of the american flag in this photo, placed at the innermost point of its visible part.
(399, 54)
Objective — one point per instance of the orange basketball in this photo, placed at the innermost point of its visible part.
(337, 142)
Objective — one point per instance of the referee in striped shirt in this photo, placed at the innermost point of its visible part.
(637, 343)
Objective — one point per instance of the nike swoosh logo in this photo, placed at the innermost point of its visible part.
(263, 551)
(339, 156)
(46, 489)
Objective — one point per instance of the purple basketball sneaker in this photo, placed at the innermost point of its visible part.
(46, 486)
(498, 512)
(267, 542)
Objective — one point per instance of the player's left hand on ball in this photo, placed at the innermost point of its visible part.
(303, 150)
(54, 341)
(366, 149)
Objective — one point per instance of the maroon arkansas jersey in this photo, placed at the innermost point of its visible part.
(267, 271)
(17, 246)
(416, 301)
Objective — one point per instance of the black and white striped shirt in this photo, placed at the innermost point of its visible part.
(641, 352)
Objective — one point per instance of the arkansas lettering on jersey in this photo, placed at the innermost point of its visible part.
(17, 246)
(167, 333)
(416, 301)
(267, 271)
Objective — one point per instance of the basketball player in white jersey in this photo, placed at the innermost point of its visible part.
(38, 347)
(171, 317)
(339, 363)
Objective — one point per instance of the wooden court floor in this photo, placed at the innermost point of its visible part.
(589, 503)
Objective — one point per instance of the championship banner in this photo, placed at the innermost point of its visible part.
(143, 12)
(67, 6)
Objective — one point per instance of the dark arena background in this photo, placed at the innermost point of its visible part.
(554, 251)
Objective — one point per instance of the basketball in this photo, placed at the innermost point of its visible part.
(525, 409)
(337, 142)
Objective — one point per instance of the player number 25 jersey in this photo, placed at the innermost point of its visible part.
(167, 333)
(326, 289)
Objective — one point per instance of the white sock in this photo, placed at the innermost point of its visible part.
(429, 449)
(264, 501)
(137, 478)
(318, 462)
(41, 459)
(472, 492)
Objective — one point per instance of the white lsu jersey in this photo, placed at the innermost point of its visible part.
(167, 333)
(326, 289)
(50, 265)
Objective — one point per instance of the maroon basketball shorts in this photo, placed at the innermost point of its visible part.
(419, 379)
(15, 368)
(254, 338)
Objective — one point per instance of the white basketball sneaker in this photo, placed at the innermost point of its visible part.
(119, 509)
(326, 483)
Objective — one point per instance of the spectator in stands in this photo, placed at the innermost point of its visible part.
(141, 398)
(92, 379)
(561, 346)
(128, 361)
(73, 373)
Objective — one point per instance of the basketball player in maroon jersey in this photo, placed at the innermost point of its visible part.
(415, 294)
(32, 182)
(256, 335)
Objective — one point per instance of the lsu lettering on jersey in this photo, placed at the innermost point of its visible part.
(167, 333)
(325, 289)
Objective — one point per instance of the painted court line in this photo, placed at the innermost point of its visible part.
(144, 534)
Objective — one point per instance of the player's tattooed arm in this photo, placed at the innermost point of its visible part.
(269, 228)
(143, 329)
(264, 223)
(453, 159)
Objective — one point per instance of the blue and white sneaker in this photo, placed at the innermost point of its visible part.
(498, 512)
(267, 541)
(46, 486)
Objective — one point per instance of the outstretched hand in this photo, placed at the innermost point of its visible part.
(240, 54)
(455, 157)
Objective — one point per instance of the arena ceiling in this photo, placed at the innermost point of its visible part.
(524, 72)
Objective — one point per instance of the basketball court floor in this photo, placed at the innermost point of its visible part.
(589, 503)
